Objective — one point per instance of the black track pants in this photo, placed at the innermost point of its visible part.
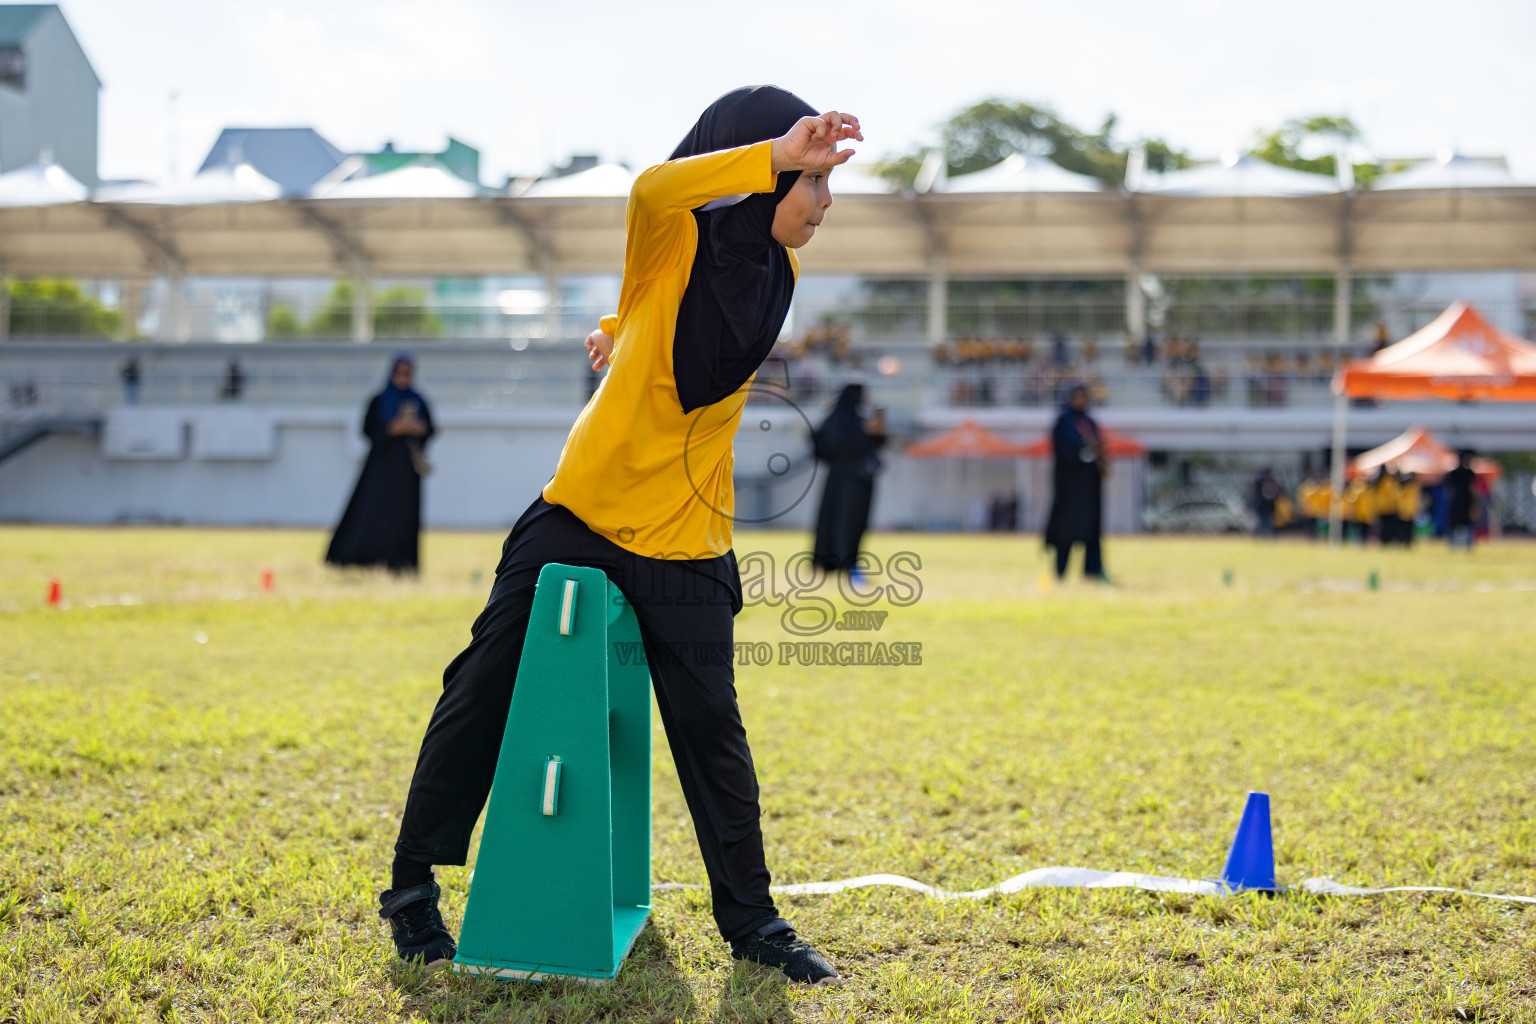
(685, 610)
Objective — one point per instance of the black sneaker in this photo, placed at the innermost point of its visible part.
(781, 948)
(417, 925)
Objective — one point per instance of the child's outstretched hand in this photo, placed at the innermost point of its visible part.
(599, 349)
(811, 145)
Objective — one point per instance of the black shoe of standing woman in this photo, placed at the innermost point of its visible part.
(781, 948)
(417, 925)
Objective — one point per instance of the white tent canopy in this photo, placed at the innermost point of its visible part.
(1449, 170)
(229, 183)
(414, 181)
(1245, 175)
(39, 184)
(1023, 174)
(603, 180)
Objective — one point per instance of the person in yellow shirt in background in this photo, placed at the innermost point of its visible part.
(1409, 499)
(643, 491)
(1385, 499)
(1312, 500)
(1358, 511)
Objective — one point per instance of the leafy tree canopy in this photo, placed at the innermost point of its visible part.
(58, 306)
(1284, 145)
(987, 132)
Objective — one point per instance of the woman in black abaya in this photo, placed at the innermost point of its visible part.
(382, 523)
(848, 446)
(1077, 506)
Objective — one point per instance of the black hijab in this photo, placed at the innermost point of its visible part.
(842, 433)
(739, 289)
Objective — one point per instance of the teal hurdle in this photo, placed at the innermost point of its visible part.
(562, 883)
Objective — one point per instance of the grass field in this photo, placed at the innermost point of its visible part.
(200, 782)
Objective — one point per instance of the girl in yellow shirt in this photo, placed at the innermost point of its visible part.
(643, 491)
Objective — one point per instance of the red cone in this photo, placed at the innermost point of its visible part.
(55, 593)
(266, 580)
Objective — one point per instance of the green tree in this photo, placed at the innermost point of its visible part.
(57, 307)
(1284, 146)
(283, 322)
(987, 132)
(398, 312)
(334, 317)
(401, 312)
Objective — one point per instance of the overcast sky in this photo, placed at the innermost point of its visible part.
(529, 83)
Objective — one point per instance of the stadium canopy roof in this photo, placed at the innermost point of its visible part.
(1020, 173)
(421, 221)
(40, 184)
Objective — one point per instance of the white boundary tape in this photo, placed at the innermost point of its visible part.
(1328, 887)
(1086, 878)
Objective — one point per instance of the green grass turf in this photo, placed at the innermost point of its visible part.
(198, 830)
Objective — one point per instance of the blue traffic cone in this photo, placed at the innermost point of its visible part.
(1251, 863)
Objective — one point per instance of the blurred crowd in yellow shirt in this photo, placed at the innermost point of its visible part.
(1384, 506)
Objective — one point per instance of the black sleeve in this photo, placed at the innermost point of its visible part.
(373, 430)
(1068, 444)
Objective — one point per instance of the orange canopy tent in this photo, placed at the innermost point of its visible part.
(1116, 446)
(1419, 452)
(968, 440)
(1459, 355)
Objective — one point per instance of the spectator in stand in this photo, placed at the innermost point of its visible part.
(234, 382)
(1200, 387)
(1383, 337)
(1266, 495)
(1061, 355)
(1148, 349)
(1461, 511)
(129, 374)
(1275, 383)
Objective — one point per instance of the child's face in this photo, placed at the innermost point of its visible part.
(798, 213)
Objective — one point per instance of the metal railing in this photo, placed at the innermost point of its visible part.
(466, 381)
(1303, 318)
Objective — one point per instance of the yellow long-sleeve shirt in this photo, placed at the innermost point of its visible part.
(635, 469)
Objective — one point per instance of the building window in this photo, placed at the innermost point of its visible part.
(13, 67)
